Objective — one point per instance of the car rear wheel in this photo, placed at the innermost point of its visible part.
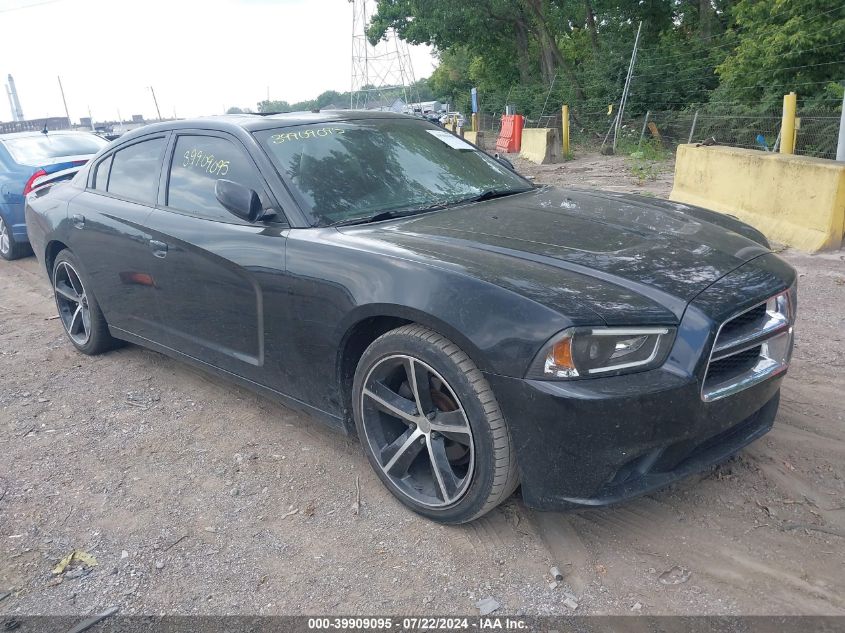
(431, 427)
(79, 311)
(9, 248)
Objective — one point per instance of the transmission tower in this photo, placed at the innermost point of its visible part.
(380, 70)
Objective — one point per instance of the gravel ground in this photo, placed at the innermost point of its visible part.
(196, 496)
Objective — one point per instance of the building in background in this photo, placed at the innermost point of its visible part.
(36, 125)
(425, 107)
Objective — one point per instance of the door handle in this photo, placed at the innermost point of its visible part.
(159, 248)
(78, 221)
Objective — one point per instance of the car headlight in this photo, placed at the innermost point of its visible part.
(585, 352)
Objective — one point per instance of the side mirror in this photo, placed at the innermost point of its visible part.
(504, 161)
(240, 201)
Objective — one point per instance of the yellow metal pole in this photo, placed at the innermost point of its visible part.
(565, 124)
(787, 124)
(475, 122)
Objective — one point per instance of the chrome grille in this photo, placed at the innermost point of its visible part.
(750, 347)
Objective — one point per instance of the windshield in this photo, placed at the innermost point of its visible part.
(45, 148)
(344, 171)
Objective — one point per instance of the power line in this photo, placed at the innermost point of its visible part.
(778, 69)
(785, 85)
(710, 63)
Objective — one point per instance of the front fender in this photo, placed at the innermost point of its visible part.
(363, 313)
(337, 286)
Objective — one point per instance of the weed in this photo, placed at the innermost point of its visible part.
(649, 149)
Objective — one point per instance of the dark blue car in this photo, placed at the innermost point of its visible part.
(29, 160)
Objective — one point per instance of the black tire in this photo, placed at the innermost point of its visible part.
(490, 471)
(9, 248)
(94, 338)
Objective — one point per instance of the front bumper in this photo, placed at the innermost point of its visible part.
(600, 442)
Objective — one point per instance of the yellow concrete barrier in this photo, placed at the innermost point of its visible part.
(476, 138)
(540, 145)
(795, 200)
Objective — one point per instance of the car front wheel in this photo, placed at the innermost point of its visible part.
(431, 427)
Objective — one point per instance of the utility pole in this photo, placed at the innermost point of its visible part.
(840, 146)
(627, 87)
(90, 118)
(376, 70)
(156, 102)
(62, 90)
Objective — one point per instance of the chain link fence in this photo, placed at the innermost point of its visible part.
(817, 134)
(817, 131)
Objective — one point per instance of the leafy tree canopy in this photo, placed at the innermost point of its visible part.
(747, 53)
(725, 55)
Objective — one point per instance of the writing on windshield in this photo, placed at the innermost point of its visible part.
(357, 169)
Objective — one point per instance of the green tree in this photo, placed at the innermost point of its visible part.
(782, 46)
(273, 106)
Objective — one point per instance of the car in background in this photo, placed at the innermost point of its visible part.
(29, 160)
(432, 117)
(475, 331)
(449, 117)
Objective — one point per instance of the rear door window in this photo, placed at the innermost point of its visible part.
(101, 174)
(198, 163)
(135, 171)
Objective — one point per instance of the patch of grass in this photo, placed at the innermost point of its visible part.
(644, 169)
(650, 149)
(647, 160)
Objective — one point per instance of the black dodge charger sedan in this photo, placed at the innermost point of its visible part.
(477, 332)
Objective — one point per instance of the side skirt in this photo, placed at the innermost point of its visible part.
(329, 419)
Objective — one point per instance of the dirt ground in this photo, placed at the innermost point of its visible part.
(196, 496)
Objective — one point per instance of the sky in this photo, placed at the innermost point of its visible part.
(200, 56)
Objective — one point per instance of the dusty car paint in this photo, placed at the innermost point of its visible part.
(283, 307)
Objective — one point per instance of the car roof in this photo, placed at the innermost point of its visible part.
(255, 122)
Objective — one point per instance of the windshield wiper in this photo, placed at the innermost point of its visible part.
(391, 214)
(489, 194)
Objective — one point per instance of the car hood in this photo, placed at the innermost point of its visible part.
(623, 252)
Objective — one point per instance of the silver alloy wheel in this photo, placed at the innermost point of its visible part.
(72, 303)
(5, 241)
(417, 430)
